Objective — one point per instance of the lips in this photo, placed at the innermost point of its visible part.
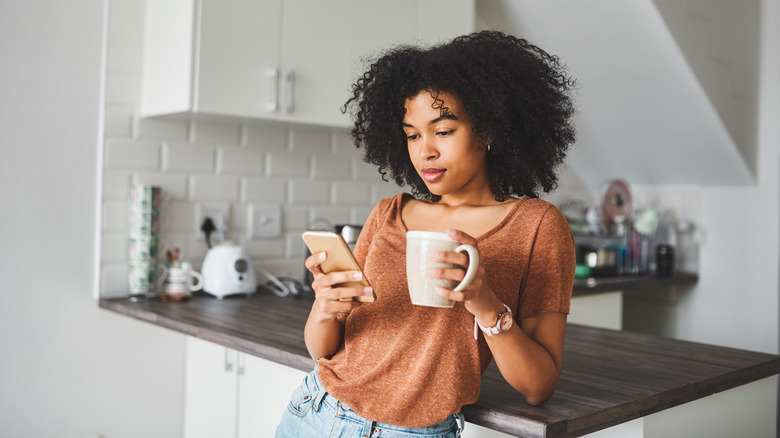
(432, 175)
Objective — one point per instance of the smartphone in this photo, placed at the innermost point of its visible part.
(340, 257)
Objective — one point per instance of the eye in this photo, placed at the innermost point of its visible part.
(411, 137)
(445, 133)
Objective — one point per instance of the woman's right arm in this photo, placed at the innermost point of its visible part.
(324, 331)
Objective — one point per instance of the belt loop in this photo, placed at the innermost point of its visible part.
(318, 398)
(461, 420)
(368, 425)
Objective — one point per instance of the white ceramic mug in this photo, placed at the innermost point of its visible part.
(181, 279)
(419, 245)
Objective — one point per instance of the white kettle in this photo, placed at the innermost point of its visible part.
(227, 270)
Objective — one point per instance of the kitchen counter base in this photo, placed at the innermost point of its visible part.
(609, 377)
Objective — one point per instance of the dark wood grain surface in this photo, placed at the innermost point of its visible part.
(609, 377)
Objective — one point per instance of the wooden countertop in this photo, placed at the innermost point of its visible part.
(609, 377)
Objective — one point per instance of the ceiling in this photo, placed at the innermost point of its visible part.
(667, 90)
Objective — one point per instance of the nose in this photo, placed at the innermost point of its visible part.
(428, 150)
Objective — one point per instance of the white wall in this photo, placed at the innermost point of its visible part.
(68, 369)
(736, 302)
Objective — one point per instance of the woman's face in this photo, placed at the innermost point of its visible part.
(443, 147)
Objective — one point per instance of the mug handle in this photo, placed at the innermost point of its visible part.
(198, 284)
(473, 265)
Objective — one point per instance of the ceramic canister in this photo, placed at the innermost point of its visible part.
(143, 238)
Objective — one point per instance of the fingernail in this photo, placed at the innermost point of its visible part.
(357, 275)
(322, 256)
(430, 271)
(367, 291)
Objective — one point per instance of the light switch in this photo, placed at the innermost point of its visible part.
(266, 221)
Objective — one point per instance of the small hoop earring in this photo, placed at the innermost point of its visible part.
(488, 148)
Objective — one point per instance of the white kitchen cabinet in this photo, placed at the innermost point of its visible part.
(286, 60)
(233, 394)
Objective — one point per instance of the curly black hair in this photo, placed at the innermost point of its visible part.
(516, 94)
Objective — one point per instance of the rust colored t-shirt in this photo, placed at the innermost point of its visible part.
(412, 366)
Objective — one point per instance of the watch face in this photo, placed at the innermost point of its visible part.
(506, 322)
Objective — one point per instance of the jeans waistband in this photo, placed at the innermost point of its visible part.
(456, 421)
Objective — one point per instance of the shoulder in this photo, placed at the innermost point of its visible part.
(538, 210)
(388, 208)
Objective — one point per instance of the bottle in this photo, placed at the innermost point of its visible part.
(664, 260)
(688, 239)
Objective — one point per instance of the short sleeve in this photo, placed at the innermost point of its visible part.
(550, 276)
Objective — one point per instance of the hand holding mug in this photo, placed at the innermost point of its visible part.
(424, 274)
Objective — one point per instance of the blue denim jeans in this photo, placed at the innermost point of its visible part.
(313, 413)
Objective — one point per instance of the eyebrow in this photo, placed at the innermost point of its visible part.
(446, 116)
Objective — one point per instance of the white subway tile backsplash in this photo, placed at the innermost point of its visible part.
(292, 268)
(385, 190)
(330, 167)
(241, 161)
(177, 216)
(214, 188)
(285, 164)
(266, 137)
(239, 218)
(334, 215)
(116, 184)
(113, 280)
(114, 215)
(174, 185)
(216, 133)
(295, 247)
(132, 154)
(351, 193)
(185, 157)
(163, 129)
(295, 218)
(310, 140)
(119, 122)
(363, 171)
(113, 247)
(342, 142)
(309, 192)
(264, 189)
(264, 249)
(359, 215)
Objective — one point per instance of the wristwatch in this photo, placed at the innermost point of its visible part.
(503, 323)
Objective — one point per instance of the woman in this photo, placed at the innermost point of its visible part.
(476, 128)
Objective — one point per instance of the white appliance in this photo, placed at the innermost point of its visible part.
(227, 270)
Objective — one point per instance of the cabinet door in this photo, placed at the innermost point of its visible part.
(210, 390)
(317, 48)
(264, 391)
(236, 56)
(380, 25)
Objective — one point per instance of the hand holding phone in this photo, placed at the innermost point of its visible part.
(340, 258)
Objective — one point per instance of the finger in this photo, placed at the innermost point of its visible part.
(462, 237)
(333, 307)
(460, 259)
(314, 261)
(455, 274)
(452, 295)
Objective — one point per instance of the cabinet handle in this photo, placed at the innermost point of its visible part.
(228, 362)
(273, 74)
(290, 92)
(241, 364)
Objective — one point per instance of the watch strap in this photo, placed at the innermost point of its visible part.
(496, 329)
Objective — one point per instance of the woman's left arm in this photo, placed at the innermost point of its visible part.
(530, 354)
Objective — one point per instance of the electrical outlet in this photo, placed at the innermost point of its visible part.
(219, 212)
(266, 221)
